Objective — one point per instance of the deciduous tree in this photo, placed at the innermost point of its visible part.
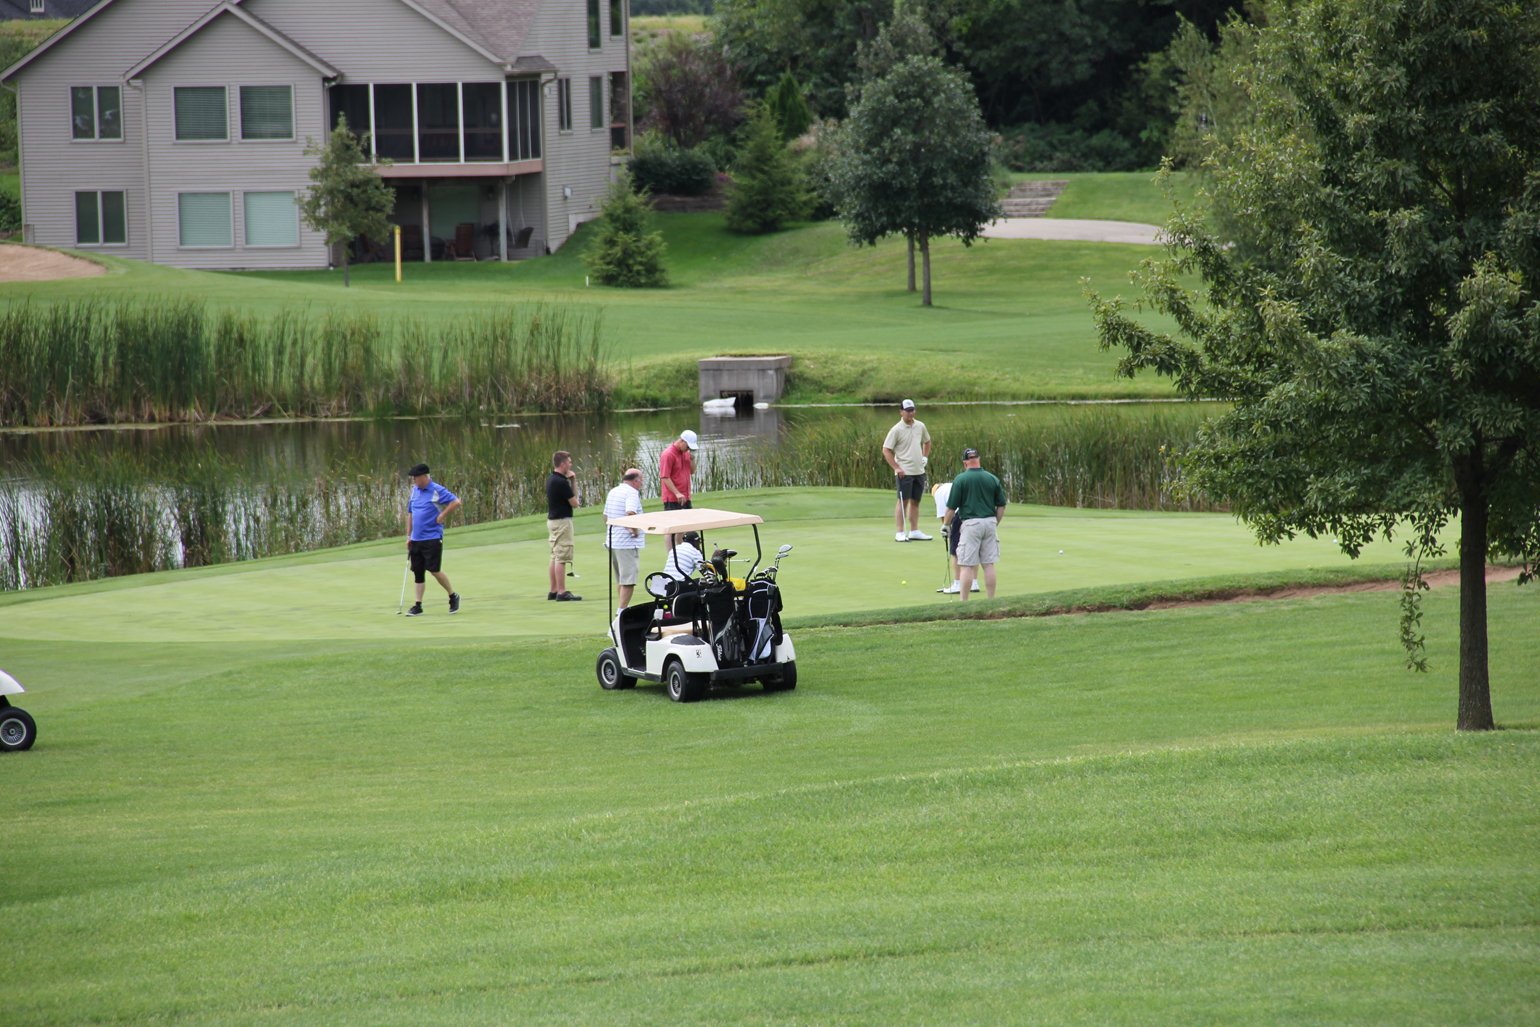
(347, 198)
(1372, 311)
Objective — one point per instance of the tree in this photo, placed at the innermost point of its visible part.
(625, 252)
(789, 108)
(347, 197)
(768, 187)
(914, 159)
(1374, 316)
(691, 92)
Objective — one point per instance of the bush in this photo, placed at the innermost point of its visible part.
(625, 253)
(661, 167)
(768, 189)
(10, 213)
(1065, 148)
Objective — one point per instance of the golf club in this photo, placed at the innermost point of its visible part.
(405, 574)
(946, 558)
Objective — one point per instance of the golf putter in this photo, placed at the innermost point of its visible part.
(405, 573)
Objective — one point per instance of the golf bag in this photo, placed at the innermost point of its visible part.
(762, 603)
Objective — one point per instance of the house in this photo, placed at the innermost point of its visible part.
(174, 131)
(23, 10)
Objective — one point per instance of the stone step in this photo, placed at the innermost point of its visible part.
(1031, 199)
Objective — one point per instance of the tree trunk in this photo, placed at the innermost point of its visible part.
(910, 237)
(925, 256)
(1475, 682)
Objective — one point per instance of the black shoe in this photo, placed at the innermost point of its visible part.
(415, 611)
(550, 595)
(568, 597)
(454, 602)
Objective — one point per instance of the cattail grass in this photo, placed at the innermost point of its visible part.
(152, 361)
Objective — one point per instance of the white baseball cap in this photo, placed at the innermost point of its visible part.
(907, 404)
(690, 439)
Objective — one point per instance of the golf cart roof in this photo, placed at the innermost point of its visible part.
(674, 522)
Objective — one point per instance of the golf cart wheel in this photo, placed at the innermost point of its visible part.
(683, 686)
(611, 674)
(17, 730)
(785, 681)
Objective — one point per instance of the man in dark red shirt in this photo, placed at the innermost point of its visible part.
(674, 470)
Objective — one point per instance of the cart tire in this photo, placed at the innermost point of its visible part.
(611, 674)
(683, 686)
(785, 681)
(17, 730)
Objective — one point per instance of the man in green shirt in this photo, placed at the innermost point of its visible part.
(974, 508)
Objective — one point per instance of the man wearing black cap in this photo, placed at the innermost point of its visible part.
(973, 512)
(428, 505)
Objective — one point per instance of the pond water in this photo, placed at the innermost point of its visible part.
(92, 502)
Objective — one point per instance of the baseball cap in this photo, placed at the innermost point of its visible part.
(416, 470)
(970, 453)
(690, 438)
(907, 404)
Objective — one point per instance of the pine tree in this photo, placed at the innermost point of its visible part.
(625, 252)
(787, 105)
(768, 187)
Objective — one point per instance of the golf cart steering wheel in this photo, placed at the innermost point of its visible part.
(659, 585)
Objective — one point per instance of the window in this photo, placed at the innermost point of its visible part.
(101, 219)
(593, 24)
(351, 102)
(596, 102)
(564, 104)
(267, 112)
(96, 112)
(482, 106)
(201, 113)
(203, 220)
(524, 120)
(617, 17)
(272, 219)
(38, 7)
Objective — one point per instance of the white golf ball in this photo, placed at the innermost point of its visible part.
(904, 582)
(1061, 552)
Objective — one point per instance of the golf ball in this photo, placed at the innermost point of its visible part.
(1061, 552)
(904, 582)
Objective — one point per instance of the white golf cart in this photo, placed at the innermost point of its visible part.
(712, 629)
(17, 730)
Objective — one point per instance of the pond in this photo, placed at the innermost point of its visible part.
(86, 503)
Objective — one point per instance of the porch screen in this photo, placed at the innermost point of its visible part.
(438, 121)
(272, 219)
(524, 120)
(483, 104)
(201, 113)
(267, 112)
(204, 219)
(393, 129)
(351, 102)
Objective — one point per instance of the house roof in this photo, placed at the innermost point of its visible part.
(13, 9)
(494, 28)
(240, 14)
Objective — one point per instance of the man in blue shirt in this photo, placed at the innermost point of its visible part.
(427, 507)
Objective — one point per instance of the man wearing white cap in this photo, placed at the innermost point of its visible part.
(907, 450)
(674, 470)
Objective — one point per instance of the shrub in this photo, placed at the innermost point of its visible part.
(768, 188)
(625, 252)
(661, 167)
(10, 212)
(1066, 148)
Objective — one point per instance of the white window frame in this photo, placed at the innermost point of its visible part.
(200, 142)
(293, 114)
(246, 242)
(101, 223)
(204, 192)
(564, 105)
(596, 121)
(38, 7)
(96, 115)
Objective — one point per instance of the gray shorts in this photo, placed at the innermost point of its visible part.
(979, 543)
(627, 564)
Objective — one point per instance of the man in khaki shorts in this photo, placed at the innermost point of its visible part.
(907, 449)
(975, 507)
(561, 499)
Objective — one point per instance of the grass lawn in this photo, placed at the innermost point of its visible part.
(259, 797)
(1015, 306)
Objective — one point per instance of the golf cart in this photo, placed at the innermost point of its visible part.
(17, 730)
(699, 632)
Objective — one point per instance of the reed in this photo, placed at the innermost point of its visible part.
(157, 361)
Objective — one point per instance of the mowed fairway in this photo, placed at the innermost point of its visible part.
(261, 797)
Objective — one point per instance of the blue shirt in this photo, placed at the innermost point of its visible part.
(425, 505)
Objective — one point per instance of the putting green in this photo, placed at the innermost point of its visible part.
(845, 560)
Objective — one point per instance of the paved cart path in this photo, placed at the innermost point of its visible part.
(1075, 230)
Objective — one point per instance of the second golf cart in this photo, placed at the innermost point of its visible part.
(699, 631)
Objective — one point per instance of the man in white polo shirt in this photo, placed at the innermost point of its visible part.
(907, 450)
(625, 544)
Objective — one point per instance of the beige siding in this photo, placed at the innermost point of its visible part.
(54, 166)
(578, 160)
(230, 53)
(376, 41)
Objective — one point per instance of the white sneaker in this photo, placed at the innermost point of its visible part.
(975, 587)
(919, 536)
(955, 588)
(900, 537)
